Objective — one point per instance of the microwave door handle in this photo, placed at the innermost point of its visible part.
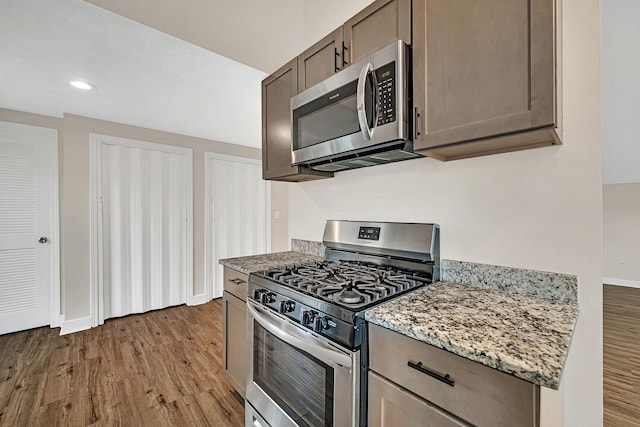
(362, 109)
(283, 331)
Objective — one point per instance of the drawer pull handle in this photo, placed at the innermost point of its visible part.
(445, 379)
(237, 281)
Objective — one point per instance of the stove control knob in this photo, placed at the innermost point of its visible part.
(268, 297)
(258, 294)
(308, 317)
(287, 306)
(321, 323)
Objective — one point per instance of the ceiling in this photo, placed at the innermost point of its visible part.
(144, 77)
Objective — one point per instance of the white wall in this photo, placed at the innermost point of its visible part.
(621, 219)
(620, 91)
(262, 34)
(539, 209)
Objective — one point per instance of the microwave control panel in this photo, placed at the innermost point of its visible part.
(387, 93)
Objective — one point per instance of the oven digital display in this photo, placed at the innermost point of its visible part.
(369, 233)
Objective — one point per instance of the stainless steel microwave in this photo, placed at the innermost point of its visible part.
(357, 117)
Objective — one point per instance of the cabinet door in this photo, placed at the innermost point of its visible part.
(376, 26)
(277, 90)
(320, 61)
(482, 68)
(390, 406)
(234, 312)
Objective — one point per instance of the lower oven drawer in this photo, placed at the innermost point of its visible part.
(480, 395)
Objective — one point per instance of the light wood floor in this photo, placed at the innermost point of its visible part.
(161, 368)
(621, 318)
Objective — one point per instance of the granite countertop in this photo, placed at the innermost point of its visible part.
(524, 336)
(253, 263)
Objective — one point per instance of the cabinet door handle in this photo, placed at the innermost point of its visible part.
(445, 379)
(335, 59)
(416, 123)
(344, 54)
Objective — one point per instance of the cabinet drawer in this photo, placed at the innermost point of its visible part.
(390, 406)
(236, 283)
(474, 392)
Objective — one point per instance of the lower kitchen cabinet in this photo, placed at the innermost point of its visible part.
(391, 406)
(234, 311)
(437, 383)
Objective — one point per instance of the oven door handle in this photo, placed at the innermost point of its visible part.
(287, 333)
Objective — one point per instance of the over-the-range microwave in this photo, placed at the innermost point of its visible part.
(358, 117)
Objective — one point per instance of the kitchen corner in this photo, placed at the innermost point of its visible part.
(515, 321)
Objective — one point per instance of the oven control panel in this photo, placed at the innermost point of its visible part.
(311, 318)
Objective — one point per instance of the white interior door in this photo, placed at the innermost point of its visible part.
(237, 213)
(146, 226)
(28, 186)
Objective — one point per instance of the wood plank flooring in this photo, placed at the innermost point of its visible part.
(161, 368)
(621, 364)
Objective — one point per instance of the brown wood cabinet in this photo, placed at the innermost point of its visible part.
(320, 61)
(376, 26)
(277, 90)
(392, 406)
(438, 379)
(234, 312)
(484, 76)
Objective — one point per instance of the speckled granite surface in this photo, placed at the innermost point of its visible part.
(307, 247)
(249, 264)
(524, 336)
(540, 284)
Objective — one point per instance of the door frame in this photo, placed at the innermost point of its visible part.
(96, 290)
(209, 251)
(51, 134)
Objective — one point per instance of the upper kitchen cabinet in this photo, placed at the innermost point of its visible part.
(484, 76)
(376, 26)
(321, 60)
(373, 28)
(277, 90)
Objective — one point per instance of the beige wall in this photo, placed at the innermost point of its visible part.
(74, 195)
(260, 34)
(621, 219)
(539, 209)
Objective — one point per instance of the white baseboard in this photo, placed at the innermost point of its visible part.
(57, 321)
(621, 282)
(75, 325)
(198, 299)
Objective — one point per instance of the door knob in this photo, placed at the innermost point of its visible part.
(43, 240)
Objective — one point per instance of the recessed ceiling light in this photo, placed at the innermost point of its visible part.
(82, 85)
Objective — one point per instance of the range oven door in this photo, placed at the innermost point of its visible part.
(297, 378)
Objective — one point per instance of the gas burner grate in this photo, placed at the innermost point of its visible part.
(351, 284)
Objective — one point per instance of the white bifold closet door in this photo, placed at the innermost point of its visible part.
(237, 213)
(144, 229)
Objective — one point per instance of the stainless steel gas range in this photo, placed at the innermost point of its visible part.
(306, 334)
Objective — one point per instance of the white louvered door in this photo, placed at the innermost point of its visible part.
(25, 216)
(237, 213)
(146, 217)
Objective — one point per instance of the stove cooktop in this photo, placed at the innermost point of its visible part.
(350, 284)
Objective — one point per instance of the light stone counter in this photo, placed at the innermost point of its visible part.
(253, 263)
(524, 336)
